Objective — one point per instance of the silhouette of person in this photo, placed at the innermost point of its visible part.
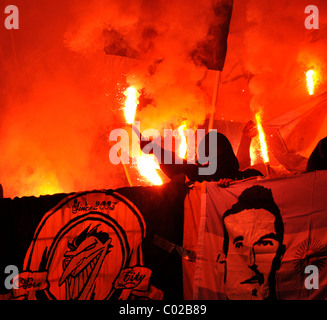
(253, 245)
(219, 152)
(318, 157)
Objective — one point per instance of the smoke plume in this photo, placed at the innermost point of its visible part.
(62, 92)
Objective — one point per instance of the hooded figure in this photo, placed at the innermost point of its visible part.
(227, 162)
(318, 157)
(215, 148)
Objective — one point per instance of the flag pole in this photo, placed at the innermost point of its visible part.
(128, 176)
(214, 99)
(212, 114)
(126, 171)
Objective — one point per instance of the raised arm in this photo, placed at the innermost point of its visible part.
(243, 153)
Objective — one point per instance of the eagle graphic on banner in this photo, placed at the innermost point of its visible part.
(88, 247)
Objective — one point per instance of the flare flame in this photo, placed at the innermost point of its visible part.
(183, 145)
(312, 79)
(262, 138)
(146, 163)
(148, 166)
(132, 100)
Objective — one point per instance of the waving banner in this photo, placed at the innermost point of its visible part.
(264, 239)
(94, 245)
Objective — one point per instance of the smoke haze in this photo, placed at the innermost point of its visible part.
(62, 93)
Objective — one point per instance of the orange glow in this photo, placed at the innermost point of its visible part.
(49, 185)
(47, 188)
(132, 100)
(262, 138)
(183, 145)
(311, 77)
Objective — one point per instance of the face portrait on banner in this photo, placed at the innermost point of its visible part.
(253, 245)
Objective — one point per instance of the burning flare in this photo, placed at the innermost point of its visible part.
(132, 100)
(148, 166)
(146, 163)
(262, 138)
(183, 145)
(311, 77)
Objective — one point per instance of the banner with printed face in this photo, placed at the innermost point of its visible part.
(264, 239)
(94, 245)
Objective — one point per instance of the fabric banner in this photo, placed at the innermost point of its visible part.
(212, 51)
(94, 245)
(264, 239)
(293, 136)
(192, 212)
